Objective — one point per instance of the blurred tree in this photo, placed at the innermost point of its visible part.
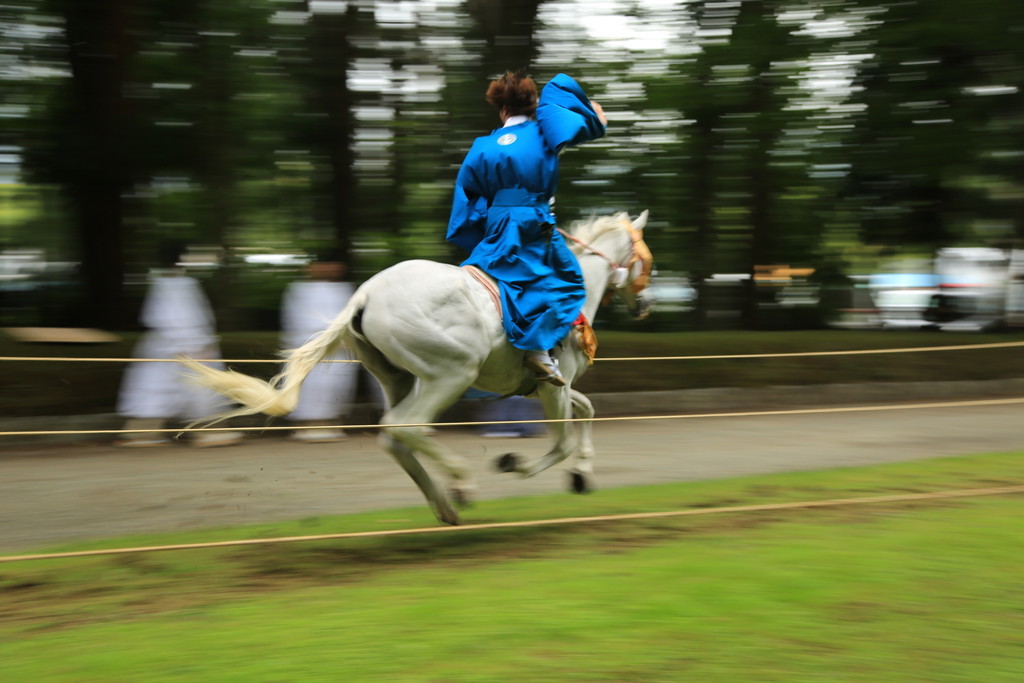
(32, 65)
(736, 93)
(215, 142)
(765, 132)
(90, 152)
(942, 97)
(762, 43)
(332, 130)
(504, 31)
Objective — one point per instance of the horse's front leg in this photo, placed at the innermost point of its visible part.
(557, 402)
(582, 470)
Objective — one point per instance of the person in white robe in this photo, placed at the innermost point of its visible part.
(178, 321)
(329, 391)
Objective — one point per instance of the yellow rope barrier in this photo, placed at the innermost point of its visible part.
(547, 522)
(835, 502)
(793, 354)
(57, 359)
(623, 418)
(854, 352)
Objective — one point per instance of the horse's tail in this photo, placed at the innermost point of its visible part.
(280, 395)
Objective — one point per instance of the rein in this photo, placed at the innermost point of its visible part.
(591, 249)
(638, 251)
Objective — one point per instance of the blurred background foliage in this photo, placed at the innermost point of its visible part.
(826, 134)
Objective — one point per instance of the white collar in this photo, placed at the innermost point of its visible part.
(515, 120)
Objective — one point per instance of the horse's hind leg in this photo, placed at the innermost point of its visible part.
(422, 406)
(394, 383)
(397, 386)
(436, 497)
(405, 456)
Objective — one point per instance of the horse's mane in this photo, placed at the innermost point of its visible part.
(590, 229)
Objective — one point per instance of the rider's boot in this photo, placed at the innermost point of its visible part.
(545, 368)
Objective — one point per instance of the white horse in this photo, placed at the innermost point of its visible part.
(428, 331)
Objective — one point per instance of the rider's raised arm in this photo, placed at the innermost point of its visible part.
(566, 115)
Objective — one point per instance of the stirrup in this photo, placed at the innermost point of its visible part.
(545, 369)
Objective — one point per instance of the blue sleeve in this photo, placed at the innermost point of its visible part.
(469, 208)
(565, 115)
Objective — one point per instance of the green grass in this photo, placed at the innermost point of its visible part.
(924, 591)
(82, 388)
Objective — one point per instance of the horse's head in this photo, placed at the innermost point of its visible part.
(619, 240)
(631, 279)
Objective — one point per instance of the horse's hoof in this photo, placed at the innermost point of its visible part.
(508, 463)
(449, 516)
(578, 483)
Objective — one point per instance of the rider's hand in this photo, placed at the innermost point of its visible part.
(600, 112)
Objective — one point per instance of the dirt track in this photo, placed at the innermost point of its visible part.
(56, 493)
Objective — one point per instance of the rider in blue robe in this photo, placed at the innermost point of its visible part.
(501, 214)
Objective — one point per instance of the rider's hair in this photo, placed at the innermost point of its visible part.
(515, 92)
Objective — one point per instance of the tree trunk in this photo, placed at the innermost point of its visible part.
(98, 177)
(332, 54)
(215, 165)
(762, 237)
(701, 202)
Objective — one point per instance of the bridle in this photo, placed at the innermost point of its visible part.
(638, 253)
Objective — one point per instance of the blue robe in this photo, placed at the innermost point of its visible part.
(501, 214)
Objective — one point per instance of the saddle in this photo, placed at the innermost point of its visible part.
(582, 332)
